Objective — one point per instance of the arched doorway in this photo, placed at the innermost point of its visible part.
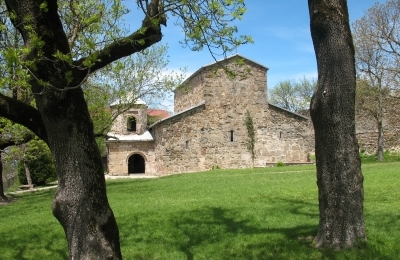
(136, 164)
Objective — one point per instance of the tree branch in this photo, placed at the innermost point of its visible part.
(147, 35)
(23, 114)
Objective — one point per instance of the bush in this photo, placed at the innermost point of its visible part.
(40, 163)
(280, 164)
(215, 167)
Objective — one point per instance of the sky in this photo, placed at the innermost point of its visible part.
(281, 34)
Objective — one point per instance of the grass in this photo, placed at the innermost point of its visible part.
(269, 213)
(373, 158)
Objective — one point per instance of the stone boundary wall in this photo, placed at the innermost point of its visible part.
(367, 132)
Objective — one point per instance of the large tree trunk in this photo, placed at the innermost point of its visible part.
(62, 119)
(80, 203)
(339, 177)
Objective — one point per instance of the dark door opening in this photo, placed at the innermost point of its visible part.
(136, 164)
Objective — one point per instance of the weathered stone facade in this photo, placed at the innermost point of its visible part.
(208, 129)
(367, 130)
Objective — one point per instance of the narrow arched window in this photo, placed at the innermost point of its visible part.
(131, 124)
(231, 136)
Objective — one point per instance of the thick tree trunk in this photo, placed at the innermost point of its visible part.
(80, 203)
(339, 177)
(62, 120)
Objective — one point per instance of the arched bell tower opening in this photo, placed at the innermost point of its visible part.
(136, 164)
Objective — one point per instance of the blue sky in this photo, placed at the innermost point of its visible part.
(281, 33)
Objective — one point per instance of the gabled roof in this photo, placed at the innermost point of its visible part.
(180, 113)
(158, 113)
(288, 111)
(236, 56)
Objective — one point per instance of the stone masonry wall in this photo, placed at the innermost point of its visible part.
(190, 93)
(119, 153)
(201, 138)
(178, 143)
(367, 132)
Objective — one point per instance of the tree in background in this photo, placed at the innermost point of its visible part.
(65, 43)
(34, 157)
(143, 76)
(339, 177)
(376, 38)
(372, 101)
(11, 135)
(293, 95)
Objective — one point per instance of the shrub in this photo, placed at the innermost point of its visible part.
(280, 164)
(40, 163)
(215, 167)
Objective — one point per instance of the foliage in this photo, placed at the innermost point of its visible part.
(293, 95)
(251, 135)
(376, 39)
(377, 53)
(142, 76)
(223, 214)
(209, 23)
(152, 119)
(38, 158)
(373, 158)
(215, 167)
(280, 164)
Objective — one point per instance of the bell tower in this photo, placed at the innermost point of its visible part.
(133, 121)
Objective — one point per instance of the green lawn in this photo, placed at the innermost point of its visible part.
(269, 213)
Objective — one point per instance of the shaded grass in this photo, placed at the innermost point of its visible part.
(373, 158)
(269, 213)
(28, 229)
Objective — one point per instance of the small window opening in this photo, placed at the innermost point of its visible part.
(131, 124)
(231, 136)
(280, 134)
(187, 145)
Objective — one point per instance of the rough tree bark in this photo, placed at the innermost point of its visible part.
(62, 120)
(3, 145)
(379, 119)
(339, 177)
(3, 197)
(28, 175)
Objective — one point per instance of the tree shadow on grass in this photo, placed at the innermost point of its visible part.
(243, 239)
(29, 230)
(220, 233)
(29, 244)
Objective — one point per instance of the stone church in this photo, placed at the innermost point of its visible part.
(208, 127)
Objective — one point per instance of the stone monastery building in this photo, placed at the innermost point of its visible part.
(208, 127)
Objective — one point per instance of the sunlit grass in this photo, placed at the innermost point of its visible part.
(269, 213)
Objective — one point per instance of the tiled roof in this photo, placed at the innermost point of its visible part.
(177, 114)
(158, 112)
